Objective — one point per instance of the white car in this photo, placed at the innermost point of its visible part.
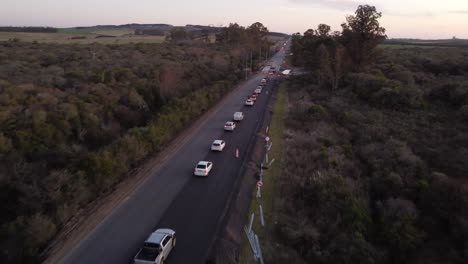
(229, 126)
(258, 91)
(203, 168)
(238, 116)
(218, 145)
(263, 81)
(249, 102)
(156, 247)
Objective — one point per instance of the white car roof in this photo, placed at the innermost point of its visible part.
(238, 113)
(158, 235)
(203, 162)
(229, 123)
(218, 141)
(165, 231)
(155, 238)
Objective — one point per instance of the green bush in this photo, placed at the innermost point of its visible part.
(398, 223)
(464, 112)
(455, 94)
(397, 98)
(317, 111)
(365, 84)
(352, 248)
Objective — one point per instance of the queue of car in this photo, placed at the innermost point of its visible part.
(160, 243)
(203, 168)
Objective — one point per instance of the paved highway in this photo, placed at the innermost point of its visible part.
(173, 198)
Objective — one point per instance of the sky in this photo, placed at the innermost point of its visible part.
(426, 19)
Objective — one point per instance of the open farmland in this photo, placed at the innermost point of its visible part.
(118, 36)
(413, 43)
(93, 31)
(407, 46)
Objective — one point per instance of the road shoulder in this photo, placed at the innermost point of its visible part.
(229, 246)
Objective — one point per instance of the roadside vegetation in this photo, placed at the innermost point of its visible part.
(270, 187)
(75, 119)
(376, 143)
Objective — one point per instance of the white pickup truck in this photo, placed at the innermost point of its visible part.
(156, 247)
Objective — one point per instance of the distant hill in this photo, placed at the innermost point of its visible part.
(278, 34)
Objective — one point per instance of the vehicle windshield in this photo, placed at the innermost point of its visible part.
(201, 166)
(216, 144)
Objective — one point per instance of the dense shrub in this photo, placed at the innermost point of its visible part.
(384, 92)
(375, 172)
(456, 94)
(464, 112)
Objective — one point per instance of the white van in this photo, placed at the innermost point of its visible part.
(238, 116)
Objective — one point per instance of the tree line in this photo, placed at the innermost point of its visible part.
(252, 41)
(333, 54)
(29, 29)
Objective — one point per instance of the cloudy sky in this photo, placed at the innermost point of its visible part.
(402, 18)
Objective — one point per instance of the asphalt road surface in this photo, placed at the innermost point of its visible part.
(174, 198)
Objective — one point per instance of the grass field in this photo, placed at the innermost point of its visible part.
(114, 32)
(65, 36)
(407, 46)
(420, 43)
(270, 188)
(73, 31)
(106, 32)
